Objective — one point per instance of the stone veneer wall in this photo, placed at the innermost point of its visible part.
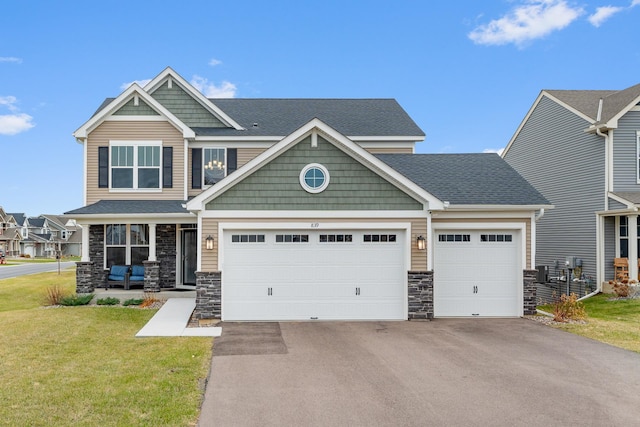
(529, 291)
(208, 295)
(166, 237)
(420, 293)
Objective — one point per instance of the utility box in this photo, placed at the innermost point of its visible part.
(543, 274)
(571, 262)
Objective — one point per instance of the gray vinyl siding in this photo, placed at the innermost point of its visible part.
(567, 166)
(276, 186)
(614, 204)
(142, 109)
(625, 156)
(184, 107)
(609, 246)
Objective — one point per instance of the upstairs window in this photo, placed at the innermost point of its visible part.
(135, 165)
(214, 166)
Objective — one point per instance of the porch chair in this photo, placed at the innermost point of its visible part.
(118, 276)
(621, 268)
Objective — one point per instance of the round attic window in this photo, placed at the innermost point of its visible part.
(314, 178)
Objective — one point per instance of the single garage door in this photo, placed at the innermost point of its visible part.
(476, 273)
(303, 275)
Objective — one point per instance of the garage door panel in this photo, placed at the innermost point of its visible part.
(478, 276)
(324, 280)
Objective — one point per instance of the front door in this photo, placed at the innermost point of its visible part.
(189, 257)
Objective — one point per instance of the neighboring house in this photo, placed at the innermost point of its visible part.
(581, 150)
(66, 233)
(9, 234)
(293, 209)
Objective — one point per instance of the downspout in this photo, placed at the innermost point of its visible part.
(599, 225)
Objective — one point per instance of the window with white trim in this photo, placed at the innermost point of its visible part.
(314, 178)
(454, 237)
(214, 166)
(623, 236)
(135, 165)
(126, 244)
(638, 156)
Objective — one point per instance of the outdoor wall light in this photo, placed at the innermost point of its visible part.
(209, 242)
(421, 243)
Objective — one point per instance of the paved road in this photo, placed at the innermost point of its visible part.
(449, 372)
(7, 271)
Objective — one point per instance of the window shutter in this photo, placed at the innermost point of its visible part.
(167, 167)
(196, 168)
(103, 167)
(232, 160)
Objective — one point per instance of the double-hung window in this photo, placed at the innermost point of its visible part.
(136, 165)
(214, 165)
(126, 244)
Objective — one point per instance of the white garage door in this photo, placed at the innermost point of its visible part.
(477, 273)
(303, 275)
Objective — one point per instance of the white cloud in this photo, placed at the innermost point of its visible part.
(493, 150)
(11, 124)
(214, 62)
(11, 59)
(210, 90)
(9, 102)
(603, 13)
(529, 21)
(635, 3)
(141, 83)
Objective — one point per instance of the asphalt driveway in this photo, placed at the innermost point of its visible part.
(448, 372)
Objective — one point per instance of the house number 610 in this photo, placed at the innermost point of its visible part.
(315, 224)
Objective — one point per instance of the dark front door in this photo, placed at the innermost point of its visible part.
(189, 257)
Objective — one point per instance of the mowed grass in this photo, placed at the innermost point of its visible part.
(82, 366)
(615, 322)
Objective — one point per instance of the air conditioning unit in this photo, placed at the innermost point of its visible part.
(543, 273)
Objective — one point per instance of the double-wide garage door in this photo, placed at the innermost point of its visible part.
(320, 274)
(477, 273)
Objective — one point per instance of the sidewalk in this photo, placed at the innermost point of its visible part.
(172, 319)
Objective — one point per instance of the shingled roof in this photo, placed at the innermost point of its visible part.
(131, 207)
(588, 101)
(466, 179)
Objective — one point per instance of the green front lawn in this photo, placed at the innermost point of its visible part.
(82, 366)
(613, 322)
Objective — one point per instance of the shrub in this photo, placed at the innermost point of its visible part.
(568, 308)
(73, 300)
(624, 288)
(133, 301)
(108, 301)
(149, 300)
(54, 295)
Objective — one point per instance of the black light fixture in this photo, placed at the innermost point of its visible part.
(421, 243)
(209, 242)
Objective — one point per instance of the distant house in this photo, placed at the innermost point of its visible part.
(9, 235)
(581, 149)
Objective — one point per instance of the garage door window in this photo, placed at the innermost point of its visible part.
(247, 238)
(454, 238)
(336, 238)
(292, 238)
(496, 238)
(379, 238)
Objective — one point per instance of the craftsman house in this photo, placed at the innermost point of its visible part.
(294, 209)
(581, 149)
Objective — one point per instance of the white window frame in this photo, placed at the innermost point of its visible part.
(303, 182)
(135, 167)
(204, 149)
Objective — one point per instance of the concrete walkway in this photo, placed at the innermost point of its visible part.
(172, 319)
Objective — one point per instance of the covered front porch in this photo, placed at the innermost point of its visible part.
(618, 235)
(159, 238)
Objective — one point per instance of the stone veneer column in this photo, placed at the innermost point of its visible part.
(208, 295)
(151, 276)
(420, 294)
(84, 277)
(529, 291)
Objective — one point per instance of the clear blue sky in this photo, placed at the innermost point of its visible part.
(466, 71)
